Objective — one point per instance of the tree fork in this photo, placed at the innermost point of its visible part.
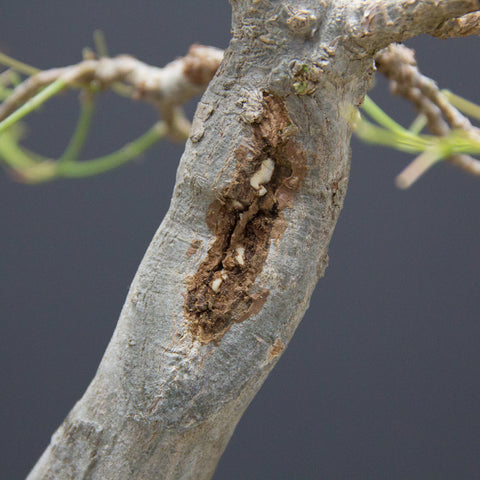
(166, 398)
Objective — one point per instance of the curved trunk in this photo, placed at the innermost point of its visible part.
(229, 274)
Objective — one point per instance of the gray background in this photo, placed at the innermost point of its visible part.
(381, 378)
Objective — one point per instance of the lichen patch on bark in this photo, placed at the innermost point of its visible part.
(244, 219)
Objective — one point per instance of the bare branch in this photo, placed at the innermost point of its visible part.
(381, 22)
(399, 65)
(165, 87)
(459, 27)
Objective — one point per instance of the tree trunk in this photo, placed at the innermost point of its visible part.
(229, 274)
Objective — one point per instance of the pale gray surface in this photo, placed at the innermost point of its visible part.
(380, 379)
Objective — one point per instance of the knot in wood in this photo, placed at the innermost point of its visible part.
(302, 22)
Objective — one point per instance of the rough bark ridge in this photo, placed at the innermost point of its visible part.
(259, 189)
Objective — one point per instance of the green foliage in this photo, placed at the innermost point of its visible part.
(430, 148)
(30, 167)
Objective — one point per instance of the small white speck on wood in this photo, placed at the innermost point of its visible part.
(263, 175)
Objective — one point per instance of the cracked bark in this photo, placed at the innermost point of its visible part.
(170, 390)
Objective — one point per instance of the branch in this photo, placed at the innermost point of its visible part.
(378, 23)
(459, 27)
(166, 88)
(398, 64)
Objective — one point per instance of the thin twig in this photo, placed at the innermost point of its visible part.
(464, 105)
(32, 168)
(417, 168)
(113, 160)
(74, 147)
(32, 104)
(17, 66)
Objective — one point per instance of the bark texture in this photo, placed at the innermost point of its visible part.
(229, 274)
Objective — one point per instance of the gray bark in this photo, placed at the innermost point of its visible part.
(200, 330)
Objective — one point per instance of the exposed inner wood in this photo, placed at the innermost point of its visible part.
(244, 220)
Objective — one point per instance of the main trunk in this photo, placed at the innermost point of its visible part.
(229, 274)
